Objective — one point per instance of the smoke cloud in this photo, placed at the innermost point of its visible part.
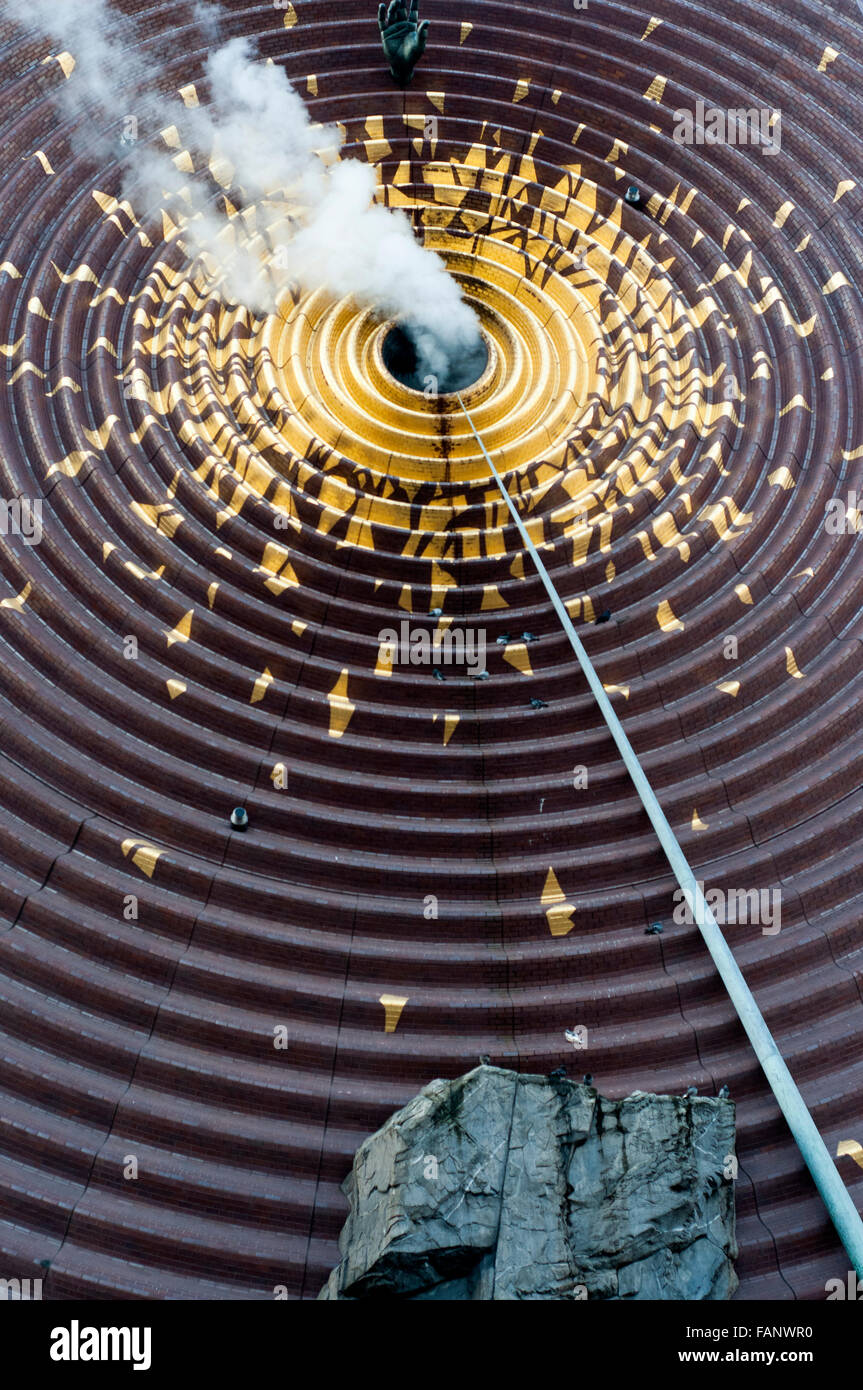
(317, 224)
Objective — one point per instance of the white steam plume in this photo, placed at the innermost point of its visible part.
(318, 224)
(344, 241)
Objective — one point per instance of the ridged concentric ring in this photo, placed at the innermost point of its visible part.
(236, 508)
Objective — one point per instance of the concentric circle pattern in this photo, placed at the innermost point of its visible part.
(236, 510)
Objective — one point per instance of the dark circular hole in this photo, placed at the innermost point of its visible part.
(402, 361)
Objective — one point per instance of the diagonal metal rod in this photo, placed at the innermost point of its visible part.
(834, 1193)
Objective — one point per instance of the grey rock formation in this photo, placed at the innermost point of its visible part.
(501, 1186)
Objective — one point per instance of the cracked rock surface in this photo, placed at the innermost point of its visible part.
(503, 1186)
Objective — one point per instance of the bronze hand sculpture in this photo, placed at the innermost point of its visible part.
(403, 39)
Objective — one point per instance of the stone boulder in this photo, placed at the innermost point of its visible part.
(503, 1186)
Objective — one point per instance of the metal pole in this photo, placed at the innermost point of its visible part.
(836, 1197)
